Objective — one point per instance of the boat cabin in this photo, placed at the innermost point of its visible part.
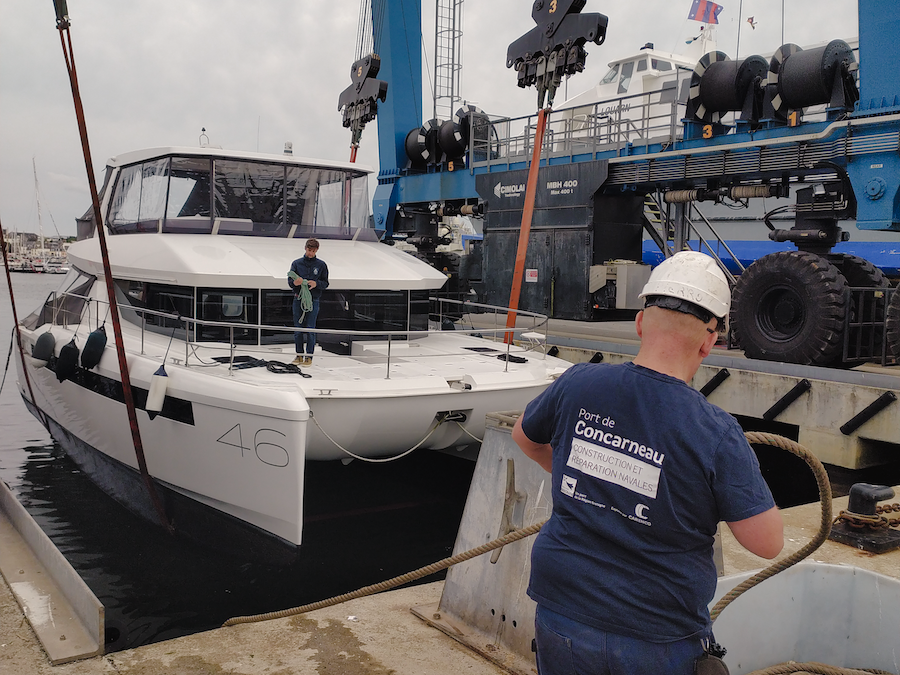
(198, 233)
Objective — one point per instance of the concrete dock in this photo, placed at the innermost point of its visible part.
(377, 635)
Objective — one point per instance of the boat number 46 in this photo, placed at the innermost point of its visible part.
(265, 445)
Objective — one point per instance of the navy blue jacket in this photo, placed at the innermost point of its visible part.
(311, 269)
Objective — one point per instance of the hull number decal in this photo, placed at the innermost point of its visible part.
(266, 445)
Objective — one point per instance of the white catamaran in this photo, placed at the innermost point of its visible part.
(200, 241)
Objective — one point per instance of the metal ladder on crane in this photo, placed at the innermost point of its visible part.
(662, 227)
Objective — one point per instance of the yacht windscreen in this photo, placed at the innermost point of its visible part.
(204, 195)
(65, 305)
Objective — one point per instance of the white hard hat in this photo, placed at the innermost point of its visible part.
(692, 277)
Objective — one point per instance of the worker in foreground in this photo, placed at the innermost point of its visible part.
(644, 468)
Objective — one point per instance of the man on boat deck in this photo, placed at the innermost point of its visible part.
(643, 468)
(315, 273)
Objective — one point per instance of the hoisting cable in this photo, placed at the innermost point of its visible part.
(396, 581)
(525, 228)
(65, 38)
(12, 301)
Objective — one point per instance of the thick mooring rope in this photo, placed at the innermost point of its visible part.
(396, 581)
(821, 536)
(790, 668)
(814, 668)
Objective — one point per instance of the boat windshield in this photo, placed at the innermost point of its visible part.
(64, 306)
(611, 75)
(211, 195)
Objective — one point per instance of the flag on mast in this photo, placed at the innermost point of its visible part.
(705, 11)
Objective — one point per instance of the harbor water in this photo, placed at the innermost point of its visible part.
(364, 523)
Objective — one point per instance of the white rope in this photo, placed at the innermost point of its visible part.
(469, 433)
(437, 423)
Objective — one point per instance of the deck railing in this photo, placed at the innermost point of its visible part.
(617, 127)
(535, 334)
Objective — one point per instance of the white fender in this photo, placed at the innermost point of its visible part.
(158, 385)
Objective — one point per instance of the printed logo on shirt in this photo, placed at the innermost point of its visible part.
(568, 485)
(614, 467)
(641, 511)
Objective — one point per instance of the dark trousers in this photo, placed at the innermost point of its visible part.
(568, 647)
(305, 342)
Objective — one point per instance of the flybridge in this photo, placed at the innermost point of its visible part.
(208, 191)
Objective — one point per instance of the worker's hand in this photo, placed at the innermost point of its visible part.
(312, 284)
(298, 281)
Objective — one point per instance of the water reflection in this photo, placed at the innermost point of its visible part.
(366, 523)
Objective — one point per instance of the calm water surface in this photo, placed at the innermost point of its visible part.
(365, 523)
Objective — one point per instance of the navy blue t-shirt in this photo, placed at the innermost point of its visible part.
(644, 468)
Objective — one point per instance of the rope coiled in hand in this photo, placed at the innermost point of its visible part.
(305, 297)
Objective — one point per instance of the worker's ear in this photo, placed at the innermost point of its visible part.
(711, 337)
(639, 324)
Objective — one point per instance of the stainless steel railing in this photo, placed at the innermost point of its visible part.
(192, 326)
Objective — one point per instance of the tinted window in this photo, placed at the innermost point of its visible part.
(611, 75)
(188, 208)
(233, 306)
(249, 198)
(625, 79)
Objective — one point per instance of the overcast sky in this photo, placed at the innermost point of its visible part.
(257, 73)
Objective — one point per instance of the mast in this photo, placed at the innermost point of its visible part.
(37, 199)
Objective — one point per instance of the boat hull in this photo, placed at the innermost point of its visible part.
(192, 519)
(229, 452)
(226, 453)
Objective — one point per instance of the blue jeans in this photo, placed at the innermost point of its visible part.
(568, 647)
(305, 342)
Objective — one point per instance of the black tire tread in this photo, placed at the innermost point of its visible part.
(822, 286)
(892, 324)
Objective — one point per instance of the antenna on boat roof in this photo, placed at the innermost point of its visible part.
(203, 135)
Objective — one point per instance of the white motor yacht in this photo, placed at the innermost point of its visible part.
(200, 242)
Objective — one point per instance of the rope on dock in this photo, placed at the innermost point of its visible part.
(789, 668)
(814, 668)
(516, 535)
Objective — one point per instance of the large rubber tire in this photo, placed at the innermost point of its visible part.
(892, 322)
(790, 306)
(860, 273)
